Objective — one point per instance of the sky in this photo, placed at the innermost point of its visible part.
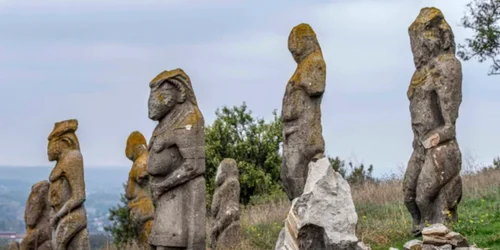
(93, 60)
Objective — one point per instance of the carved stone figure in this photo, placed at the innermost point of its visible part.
(138, 193)
(37, 216)
(13, 245)
(432, 183)
(177, 163)
(67, 189)
(226, 228)
(301, 114)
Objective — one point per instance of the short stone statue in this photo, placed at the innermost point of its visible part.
(432, 183)
(226, 229)
(13, 245)
(177, 164)
(37, 216)
(67, 189)
(138, 193)
(301, 114)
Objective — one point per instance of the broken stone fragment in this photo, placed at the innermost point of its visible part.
(435, 229)
(413, 245)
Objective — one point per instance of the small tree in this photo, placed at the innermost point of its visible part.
(252, 142)
(338, 165)
(123, 229)
(482, 17)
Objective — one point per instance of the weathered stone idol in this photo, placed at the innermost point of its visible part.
(432, 183)
(67, 189)
(13, 245)
(226, 229)
(323, 217)
(177, 163)
(37, 216)
(301, 113)
(138, 192)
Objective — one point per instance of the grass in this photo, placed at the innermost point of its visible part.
(383, 220)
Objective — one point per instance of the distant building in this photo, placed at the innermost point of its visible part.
(12, 236)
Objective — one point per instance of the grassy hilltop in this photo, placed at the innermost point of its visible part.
(383, 220)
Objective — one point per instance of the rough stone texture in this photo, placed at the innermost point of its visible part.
(323, 217)
(438, 236)
(37, 219)
(301, 113)
(67, 189)
(413, 245)
(226, 229)
(13, 245)
(138, 193)
(177, 163)
(435, 229)
(432, 183)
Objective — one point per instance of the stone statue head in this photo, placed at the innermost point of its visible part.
(302, 42)
(37, 201)
(62, 138)
(136, 145)
(227, 169)
(168, 89)
(430, 36)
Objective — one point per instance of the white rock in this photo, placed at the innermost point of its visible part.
(323, 217)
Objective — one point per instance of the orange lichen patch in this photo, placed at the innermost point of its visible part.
(63, 127)
(302, 30)
(145, 232)
(167, 74)
(418, 77)
(134, 139)
(427, 16)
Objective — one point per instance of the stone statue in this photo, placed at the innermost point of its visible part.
(226, 229)
(67, 189)
(432, 183)
(13, 245)
(37, 216)
(177, 164)
(138, 193)
(302, 132)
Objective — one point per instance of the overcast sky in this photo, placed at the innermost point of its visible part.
(92, 60)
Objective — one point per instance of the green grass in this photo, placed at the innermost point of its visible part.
(384, 226)
(384, 223)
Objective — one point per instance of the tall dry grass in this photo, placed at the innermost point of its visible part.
(383, 199)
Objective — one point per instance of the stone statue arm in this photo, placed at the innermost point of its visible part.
(231, 201)
(192, 166)
(76, 182)
(143, 175)
(130, 193)
(449, 98)
(314, 81)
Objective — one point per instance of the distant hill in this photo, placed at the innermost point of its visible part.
(96, 178)
(103, 187)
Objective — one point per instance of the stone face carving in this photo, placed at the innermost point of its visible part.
(323, 217)
(432, 183)
(226, 228)
(37, 216)
(301, 113)
(138, 193)
(177, 163)
(67, 189)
